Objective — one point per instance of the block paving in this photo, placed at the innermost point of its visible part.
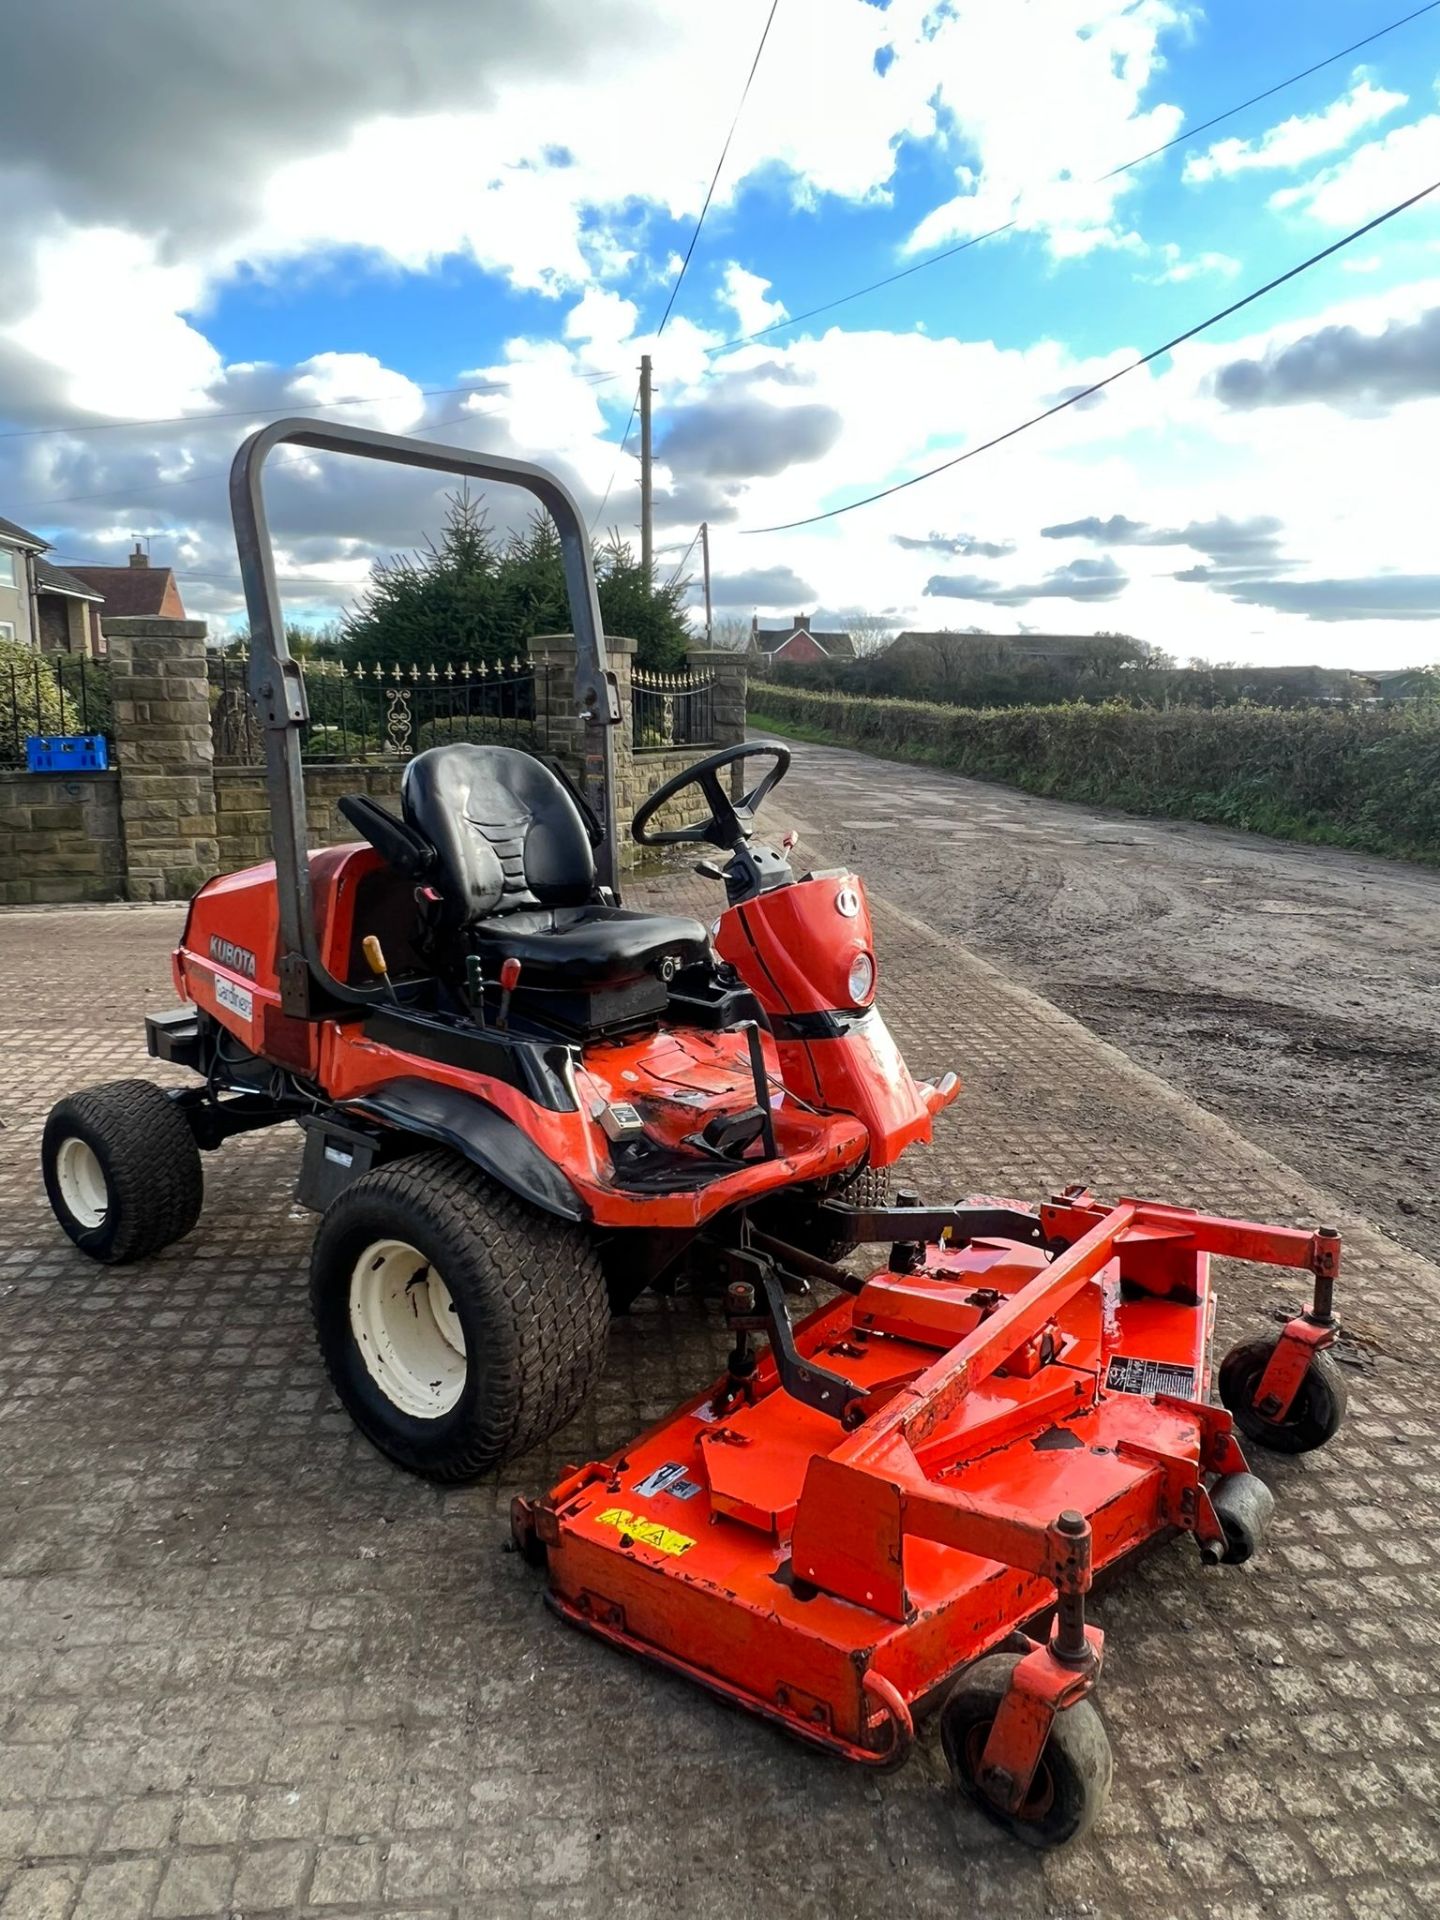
(248, 1668)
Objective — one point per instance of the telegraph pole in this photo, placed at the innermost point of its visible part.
(705, 557)
(647, 529)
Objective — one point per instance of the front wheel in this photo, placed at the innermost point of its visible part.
(459, 1326)
(122, 1170)
(1315, 1415)
(1072, 1781)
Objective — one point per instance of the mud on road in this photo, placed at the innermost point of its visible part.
(1293, 990)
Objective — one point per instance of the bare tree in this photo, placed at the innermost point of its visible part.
(869, 632)
(732, 631)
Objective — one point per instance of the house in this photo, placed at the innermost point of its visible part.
(136, 590)
(43, 605)
(798, 643)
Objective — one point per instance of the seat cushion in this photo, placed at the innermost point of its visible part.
(504, 830)
(580, 947)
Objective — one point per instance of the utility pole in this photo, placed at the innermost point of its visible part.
(647, 529)
(705, 557)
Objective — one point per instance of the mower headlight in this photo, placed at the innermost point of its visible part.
(861, 982)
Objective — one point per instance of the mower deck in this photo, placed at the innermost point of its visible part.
(1013, 1418)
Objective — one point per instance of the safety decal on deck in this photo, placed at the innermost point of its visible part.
(1130, 1374)
(669, 1479)
(650, 1533)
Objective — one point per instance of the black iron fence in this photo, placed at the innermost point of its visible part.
(387, 713)
(43, 694)
(671, 709)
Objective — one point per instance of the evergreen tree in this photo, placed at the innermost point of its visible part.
(467, 597)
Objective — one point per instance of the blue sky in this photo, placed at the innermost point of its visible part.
(502, 202)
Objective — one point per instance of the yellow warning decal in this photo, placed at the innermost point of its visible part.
(649, 1533)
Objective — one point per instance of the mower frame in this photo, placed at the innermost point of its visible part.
(277, 684)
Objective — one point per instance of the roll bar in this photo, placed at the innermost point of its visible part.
(278, 687)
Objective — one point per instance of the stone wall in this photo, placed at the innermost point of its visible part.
(244, 823)
(167, 817)
(59, 838)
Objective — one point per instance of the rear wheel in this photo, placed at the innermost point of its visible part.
(1072, 1781)
(458, 1325)
(122, 1170)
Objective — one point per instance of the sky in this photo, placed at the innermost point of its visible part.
(462, 219)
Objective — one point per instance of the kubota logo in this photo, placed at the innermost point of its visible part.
(238, 959)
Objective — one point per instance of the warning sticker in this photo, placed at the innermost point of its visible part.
(671, 1479)
(650, 1533)
(1130, 1374)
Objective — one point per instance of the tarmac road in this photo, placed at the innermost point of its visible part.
(1293, 990)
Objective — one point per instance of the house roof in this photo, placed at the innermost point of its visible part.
(130, 592)
(837, 645)
(53, 579)
(17, 536)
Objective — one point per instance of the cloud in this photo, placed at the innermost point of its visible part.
(1034, 136)
(1384, 596)
(1222, 538)
(1300, 139)
(1177, 269)
(728, 439)
(763, 587)
(962, 546)
(1341, 366)
(1369, 180)
(1098, 579)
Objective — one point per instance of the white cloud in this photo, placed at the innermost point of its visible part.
(1371, 179)
(1178, 269)
(746, 292)
(1300, 139)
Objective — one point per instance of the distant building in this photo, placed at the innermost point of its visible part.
(799, 643)
(137, 590)
(43, 605)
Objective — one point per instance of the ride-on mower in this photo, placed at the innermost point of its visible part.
(523, 1103)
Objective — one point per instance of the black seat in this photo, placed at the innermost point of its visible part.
(515, 877)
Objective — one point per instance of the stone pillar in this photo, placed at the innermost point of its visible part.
(730, 672)
(161, 697)
(572, 739)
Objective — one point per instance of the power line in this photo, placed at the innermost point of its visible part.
(683, 558)
(1185, 137)
(785, 526)
(714, 178)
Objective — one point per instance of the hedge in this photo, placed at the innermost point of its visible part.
(1366, 778)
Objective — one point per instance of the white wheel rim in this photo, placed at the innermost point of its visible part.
(405, 1326)
(81, 1180)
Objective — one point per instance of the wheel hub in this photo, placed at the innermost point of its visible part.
(406, 1329)
(81, 1180)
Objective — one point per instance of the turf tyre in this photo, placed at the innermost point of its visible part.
(151, 1187)
(528, 1293)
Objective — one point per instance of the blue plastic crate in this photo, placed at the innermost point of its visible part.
(66, 753)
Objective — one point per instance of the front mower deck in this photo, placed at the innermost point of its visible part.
(1005, 1420)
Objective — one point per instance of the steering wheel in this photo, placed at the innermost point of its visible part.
(730, 821)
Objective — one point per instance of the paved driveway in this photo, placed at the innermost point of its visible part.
(248, 1668)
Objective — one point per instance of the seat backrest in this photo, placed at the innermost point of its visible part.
(505, 832)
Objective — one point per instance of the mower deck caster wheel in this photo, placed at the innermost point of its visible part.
(1244, 1506)
(122, 1170)
(1072, 1782)
(1316, 1413)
